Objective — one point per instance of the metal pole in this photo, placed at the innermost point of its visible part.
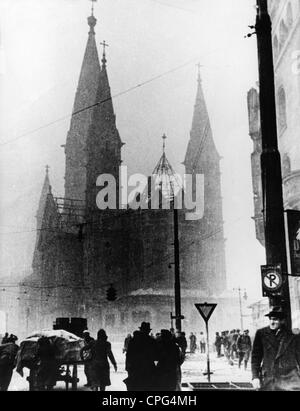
(270, 157)
(241, 309)
(207, 352)
(177, 272)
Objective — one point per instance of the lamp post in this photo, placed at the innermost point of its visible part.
(241, 306)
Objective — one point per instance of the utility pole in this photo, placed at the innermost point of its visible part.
(178, 316)
(270, 158)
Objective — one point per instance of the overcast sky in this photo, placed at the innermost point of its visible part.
(42, 47)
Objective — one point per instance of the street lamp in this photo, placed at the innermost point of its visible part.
(240, 302)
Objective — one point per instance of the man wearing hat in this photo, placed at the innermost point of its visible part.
(140, 357)
(276, 356)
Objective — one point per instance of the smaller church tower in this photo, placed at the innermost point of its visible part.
(206, 268)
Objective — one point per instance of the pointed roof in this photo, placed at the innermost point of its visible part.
(90, 71)
(201, 129)
(43, 198)
(84, 105)
(166, 176)
(104, 119)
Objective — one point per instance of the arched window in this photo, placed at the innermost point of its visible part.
(275, 47)
(289, 15)
(282, 122)
(286, 165)
(283, 33)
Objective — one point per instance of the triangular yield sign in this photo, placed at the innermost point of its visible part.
(205, 310)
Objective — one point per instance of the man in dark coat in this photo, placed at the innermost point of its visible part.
(87, 360)
(169, 362)
(276, 356)
(218, 344)
(5, 339)
(243, 345)
(140, 357)
(8, 354)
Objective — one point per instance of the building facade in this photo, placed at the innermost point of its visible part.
(285, 16)
(82, 250)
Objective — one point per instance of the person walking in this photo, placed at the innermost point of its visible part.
(218, 344)
(99, 370)
(192, 338)
(47, 368)
(169, 362)
(140, 357)
(126, 343)
(8, 352)
(181, 341)
(202, 343)
(276, 356)
(86, 356)
(5, 339)
(243, 345)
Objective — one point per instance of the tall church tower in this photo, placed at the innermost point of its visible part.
(206, 235)
(86, 96)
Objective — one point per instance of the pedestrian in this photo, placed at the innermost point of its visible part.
(192, 343)
(8, 352)
(140, 357)
(181, 341)
(202, 343)
(169, 362)
(126, 343)
(218, 344)
(5, 339)
(99, 371)
(47, 368)
(276, 355)
(244, 346)
(86, 356)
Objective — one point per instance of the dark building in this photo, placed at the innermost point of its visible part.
(81, 250)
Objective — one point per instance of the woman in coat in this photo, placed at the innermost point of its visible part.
(99, 366)
(170, 359)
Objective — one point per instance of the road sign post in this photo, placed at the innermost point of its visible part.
(206, 311)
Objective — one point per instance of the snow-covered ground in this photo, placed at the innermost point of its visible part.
(192, 371)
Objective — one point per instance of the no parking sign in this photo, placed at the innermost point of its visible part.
(271, 277)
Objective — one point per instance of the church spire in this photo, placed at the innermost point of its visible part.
(43, 198)
(85, 100)
(201, 133)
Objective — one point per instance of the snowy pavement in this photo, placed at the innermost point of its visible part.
(192, 371)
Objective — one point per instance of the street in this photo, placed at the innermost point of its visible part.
(192, 371)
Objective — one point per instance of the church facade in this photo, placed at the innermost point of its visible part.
(81, 250)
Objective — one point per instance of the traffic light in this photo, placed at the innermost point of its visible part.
(111, 294)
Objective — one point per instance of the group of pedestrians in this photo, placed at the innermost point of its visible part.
(153, 363)
(234, 345)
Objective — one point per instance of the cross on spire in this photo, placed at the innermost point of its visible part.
(47, 169)
(199, 65)
(104, 44)
(93, 1)
(164, 137)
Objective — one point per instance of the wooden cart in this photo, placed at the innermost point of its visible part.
(67, 373)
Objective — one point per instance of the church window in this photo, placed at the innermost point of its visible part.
(282, 118)
(275, 47)
(283, 33)
(286, 165)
